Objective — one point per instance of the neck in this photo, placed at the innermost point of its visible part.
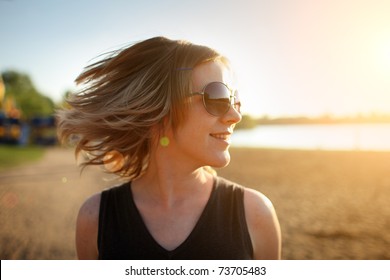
(169, 180)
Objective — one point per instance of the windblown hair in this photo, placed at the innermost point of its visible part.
(128, 93)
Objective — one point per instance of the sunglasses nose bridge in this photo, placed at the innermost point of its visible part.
(235, 103)
(232, 97)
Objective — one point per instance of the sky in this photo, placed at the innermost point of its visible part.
(291, 57)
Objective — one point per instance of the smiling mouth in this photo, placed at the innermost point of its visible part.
(221, 136)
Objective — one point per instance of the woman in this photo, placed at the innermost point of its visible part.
(158, 114)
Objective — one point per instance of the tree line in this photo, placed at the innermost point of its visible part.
(20, 98)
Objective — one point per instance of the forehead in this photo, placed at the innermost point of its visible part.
(213, 71)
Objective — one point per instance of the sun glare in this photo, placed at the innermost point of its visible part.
(385, 57)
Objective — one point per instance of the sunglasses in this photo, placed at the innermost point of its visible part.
(218, 98)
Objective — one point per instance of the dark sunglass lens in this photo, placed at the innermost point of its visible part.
(217, 98)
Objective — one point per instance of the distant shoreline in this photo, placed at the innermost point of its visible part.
(251, 122)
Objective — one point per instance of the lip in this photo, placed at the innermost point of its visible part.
(222, 136)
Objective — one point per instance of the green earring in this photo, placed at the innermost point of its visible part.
(164, 141)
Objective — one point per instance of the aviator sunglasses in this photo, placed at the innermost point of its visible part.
(218, 98)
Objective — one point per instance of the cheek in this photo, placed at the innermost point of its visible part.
(193, 134)
(197, 124)
(193, 138)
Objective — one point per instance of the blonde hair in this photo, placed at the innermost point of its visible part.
(125, 95)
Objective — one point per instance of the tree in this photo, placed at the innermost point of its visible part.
(27, 99)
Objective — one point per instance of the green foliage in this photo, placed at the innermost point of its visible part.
(63, 103)
(27, 98)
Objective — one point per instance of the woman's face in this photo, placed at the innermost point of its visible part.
(204, 139)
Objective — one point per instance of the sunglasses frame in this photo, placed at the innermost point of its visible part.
(232, 99)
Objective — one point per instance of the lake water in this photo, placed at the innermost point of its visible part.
(373, 137)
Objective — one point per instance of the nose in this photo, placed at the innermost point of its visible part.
(232, 116)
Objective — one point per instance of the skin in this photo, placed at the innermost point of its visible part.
(173, 192)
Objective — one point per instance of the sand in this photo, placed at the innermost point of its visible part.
(331, 205)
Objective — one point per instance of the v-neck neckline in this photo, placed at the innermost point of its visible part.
(193, 232)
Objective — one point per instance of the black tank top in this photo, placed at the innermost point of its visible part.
(221, 232)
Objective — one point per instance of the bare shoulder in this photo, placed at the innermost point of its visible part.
(87, 228)
(90, 207)
(263, 225)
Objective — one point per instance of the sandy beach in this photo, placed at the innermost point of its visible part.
(331, 205)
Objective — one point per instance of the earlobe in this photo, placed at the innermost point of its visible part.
(162, 132)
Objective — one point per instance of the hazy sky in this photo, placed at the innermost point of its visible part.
(292, 57)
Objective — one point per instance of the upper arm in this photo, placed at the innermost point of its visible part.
(263, 225)
(87, 228)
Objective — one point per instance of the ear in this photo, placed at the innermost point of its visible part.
(165, 127)
(162, 129)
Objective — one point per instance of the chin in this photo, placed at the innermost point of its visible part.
(221, 161)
